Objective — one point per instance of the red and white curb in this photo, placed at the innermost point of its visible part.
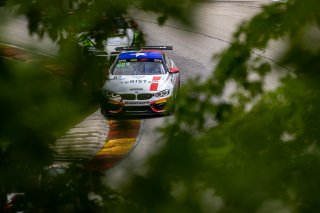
(123, 136)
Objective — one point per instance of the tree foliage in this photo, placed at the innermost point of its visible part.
(52, 16)
(38, 107)
(256, 151)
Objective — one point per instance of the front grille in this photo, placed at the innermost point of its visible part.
(128, 96)
(144, 96)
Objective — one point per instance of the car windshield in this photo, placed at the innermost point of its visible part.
(138, 68)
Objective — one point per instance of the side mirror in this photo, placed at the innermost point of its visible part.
(106, 72)
(173, 70)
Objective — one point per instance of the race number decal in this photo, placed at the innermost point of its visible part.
(155, 83)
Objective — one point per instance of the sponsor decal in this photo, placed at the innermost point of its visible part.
(122, 64)
(137, 102)
(155, 83)
(137, 82)
(160, 101)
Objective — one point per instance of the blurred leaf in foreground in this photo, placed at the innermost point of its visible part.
(258, 150)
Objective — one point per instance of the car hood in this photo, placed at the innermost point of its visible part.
(116, 41)
(138, 83)
(84, 37)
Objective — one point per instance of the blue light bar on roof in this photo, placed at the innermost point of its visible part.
(139, 55)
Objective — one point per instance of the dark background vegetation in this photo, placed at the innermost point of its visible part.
(265, 159)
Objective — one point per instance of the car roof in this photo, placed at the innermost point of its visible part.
(150, 54)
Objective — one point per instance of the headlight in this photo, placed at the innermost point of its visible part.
(110, 94)
(162, 93)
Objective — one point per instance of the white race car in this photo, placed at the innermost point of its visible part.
(143, 82)
(126, 35)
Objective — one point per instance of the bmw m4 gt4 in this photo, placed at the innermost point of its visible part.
(141, 82)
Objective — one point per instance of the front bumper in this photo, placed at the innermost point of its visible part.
(160, 106)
